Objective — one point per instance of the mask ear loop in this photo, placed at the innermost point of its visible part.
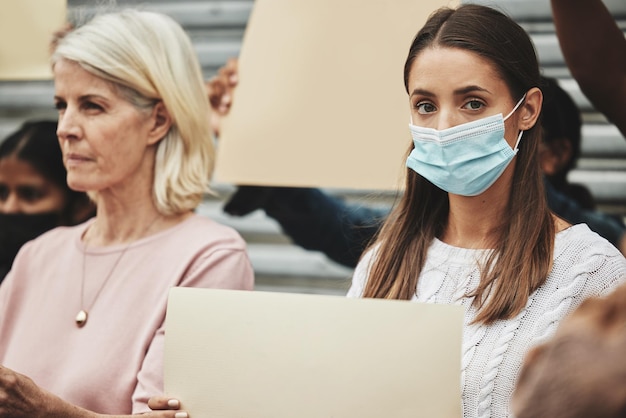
(519, 137)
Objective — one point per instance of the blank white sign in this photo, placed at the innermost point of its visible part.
(321, 99)
(26, 28)
(236, 354)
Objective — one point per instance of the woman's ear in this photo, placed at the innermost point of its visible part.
(530, 109)
(161, 123)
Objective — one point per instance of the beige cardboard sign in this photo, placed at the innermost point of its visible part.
(284, 355)
(26, 28)
(321, 98)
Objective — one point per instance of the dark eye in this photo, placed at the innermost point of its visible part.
(60, 105)
(473, 105)
(30, 194)
(425, 107)
(4, 192)
(92, 106)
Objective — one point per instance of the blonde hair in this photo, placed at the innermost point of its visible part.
(149, 58)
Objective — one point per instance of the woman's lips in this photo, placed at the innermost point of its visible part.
(75, 159)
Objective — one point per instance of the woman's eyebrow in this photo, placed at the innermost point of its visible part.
(458, 92)
(422, 92)
(470, 89)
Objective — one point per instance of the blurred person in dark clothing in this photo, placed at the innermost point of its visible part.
(34, 196)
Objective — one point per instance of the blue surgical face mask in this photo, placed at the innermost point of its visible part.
(465, 159)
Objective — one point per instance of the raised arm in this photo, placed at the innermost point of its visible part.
(594, 48)
(313, 219)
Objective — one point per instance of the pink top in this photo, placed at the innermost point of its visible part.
(115, 362)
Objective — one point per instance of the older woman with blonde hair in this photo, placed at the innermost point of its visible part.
(82, 310)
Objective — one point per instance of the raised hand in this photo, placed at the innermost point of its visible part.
(219, 90)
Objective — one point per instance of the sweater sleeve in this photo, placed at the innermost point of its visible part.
(584, 269)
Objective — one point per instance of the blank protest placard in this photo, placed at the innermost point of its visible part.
(321, 99)
(284, 355)
(26, 28)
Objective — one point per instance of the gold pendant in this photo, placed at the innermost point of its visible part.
(81, 318)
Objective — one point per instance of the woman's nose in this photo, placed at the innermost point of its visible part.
(67, 127)
(11, 204)
(446, 120)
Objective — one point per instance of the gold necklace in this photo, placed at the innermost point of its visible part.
(83, 314)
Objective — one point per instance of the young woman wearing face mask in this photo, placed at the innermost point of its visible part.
(473, 226)
(34, 196)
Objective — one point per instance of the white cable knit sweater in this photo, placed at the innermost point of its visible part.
(584, 265)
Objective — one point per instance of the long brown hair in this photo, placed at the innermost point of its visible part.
(522, 257)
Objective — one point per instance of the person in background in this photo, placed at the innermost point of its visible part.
(34, 196)
(318, 221)
(580, 372)
(560, 149)
(558, 154)
(473, 226)
(82, 310)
